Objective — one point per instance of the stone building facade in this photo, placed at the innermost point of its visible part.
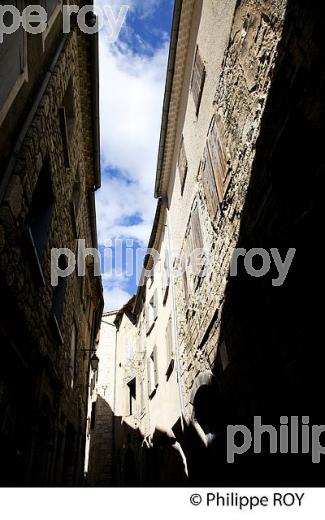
(49, 149)
(239, 169)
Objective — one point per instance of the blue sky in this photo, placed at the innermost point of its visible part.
(132, 81)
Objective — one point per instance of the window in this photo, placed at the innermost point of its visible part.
(93, 416)
(215, 170)
(38, 221)
(152, 369)
(165, 278)
(58, 299)
(130, 348)
(209, 185)
(67, 121)
(185, 285)
(132, 396)
(12, 62)
(41, 210)
(193, 258)
(182, 165)
(152, 312)
(75, 200)
(195, 243)
(73, 344)
(224, 357)
(142, 398)
(198, 79)
(169, 347)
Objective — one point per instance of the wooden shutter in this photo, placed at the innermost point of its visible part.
(155, 305)
(182, 164)
(209, 185)
(169, 341)
(165, 277)
(149, 377)
(147, 318)
(187, 250)
(218, 159)
(142, 404)
(197, 241)
(155, 361)
(196, 229)
(198, 79)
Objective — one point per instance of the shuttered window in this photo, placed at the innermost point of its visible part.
(218, 160)
(12, 56)
(169, 347)
(197, 238)
(152, 312)
(193, 260)
(209, 185)
(142, 398)
(182, 165)
(198, 79)
(165, 278)
(198, 257)
(152, 368)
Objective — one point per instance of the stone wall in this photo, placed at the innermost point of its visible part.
(241, 94)
(46, 355)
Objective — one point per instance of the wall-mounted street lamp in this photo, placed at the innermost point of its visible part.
(94, 360)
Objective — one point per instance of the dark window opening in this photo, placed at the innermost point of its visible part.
(132, 396)
(93, 416)
(58, 298)
(41, 210)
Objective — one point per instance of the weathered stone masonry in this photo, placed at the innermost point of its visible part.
(52, 388)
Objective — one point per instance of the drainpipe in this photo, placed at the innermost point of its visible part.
(177, 355)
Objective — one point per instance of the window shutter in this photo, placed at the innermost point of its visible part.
(165, 278)
(196, 229)
(209, 184)
(169, 342)
(142, 404)
(218, 159)
(182, 164)
(197, 242)
(155, 361)
(155, 305)
(186, 272)
(149, 377)
(147, 319)
(198, 79)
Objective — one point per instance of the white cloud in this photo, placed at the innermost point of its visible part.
(115, 298)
